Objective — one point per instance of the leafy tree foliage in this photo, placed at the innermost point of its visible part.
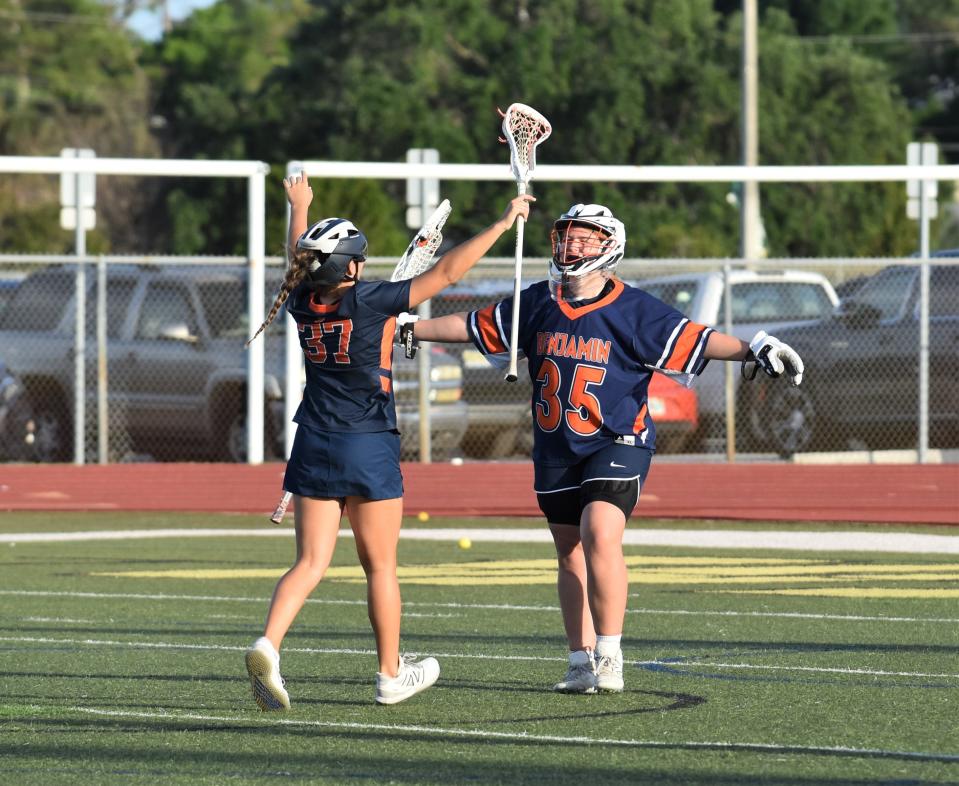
(641, 82)
(69, 77)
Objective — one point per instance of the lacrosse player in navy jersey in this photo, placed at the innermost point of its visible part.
(345, 456)
(593, 342)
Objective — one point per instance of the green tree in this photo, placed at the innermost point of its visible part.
(208, 75)
(640, 82)
(69, 77)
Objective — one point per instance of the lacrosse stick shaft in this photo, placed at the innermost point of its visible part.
(280, 512)
(512, 374)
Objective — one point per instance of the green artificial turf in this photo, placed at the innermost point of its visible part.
(107, 677)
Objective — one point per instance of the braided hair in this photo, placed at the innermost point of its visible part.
(295, 273)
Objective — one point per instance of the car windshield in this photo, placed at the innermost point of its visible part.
(767, 301)
(38, 302)
(224, 303)
(225, 306)
(678, 294)
(887, 291)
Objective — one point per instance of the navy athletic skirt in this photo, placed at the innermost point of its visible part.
(333, 465)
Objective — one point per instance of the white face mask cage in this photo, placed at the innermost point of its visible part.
(579, 287)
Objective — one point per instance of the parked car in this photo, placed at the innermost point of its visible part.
(500, 412)
(8, 285)
(762, 300)
(860, 381)
(177, 368)
(17, 424)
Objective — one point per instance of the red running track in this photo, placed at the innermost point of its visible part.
(770, 492)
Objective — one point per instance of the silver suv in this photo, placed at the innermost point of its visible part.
(176, 368)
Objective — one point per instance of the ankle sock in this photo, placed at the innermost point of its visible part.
(608, 645)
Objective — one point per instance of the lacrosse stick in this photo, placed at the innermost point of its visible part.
(524, 128)
(281, 506)
(418, 258)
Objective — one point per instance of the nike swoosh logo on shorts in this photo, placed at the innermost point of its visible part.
(618, 466)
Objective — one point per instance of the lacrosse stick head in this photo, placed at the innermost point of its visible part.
(419, 254)
(523, 129)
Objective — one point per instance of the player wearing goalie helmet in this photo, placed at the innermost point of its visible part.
(345, 457)
(593, 342)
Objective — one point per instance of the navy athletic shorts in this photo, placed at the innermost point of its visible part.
(613, 474)
(333, 465)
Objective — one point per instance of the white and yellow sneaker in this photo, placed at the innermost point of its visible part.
(263, 666)
(609, 672)
(412, 678)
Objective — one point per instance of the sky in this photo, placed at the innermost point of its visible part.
(149, 24)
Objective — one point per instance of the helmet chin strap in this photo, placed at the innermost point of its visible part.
(356, 276)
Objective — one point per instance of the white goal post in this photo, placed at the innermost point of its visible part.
(255, 173)
(595, 174)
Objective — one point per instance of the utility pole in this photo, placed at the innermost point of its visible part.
(750, 233)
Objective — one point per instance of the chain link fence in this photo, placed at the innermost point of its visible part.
(165, 369)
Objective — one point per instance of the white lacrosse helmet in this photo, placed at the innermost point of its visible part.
(333, 243)
(585, 252)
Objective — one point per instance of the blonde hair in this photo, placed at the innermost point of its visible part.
(295, 272)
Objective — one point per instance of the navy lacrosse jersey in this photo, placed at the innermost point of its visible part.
(591, 365)
(348, 348)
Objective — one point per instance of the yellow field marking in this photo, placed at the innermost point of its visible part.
(481, 567)
(854, 592)
(641, 570)
(694, 578)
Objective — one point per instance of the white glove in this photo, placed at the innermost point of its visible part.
(776, 358)
(404, 333)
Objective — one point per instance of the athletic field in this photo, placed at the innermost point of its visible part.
(121, 658)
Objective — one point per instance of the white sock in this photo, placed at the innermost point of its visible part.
(263, 640)
(578, 658)
(608, 645)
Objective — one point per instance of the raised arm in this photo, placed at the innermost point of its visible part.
(455, 263)
(300, 195)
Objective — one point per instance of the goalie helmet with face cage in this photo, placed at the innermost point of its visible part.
(332, 244)
(586, 239)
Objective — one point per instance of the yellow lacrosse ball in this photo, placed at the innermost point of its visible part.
(465, 543)
(423, 516)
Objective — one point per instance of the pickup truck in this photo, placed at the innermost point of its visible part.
(861, 384)
(176, 366)
(761, 300)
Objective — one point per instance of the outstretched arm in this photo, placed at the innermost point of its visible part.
(774, 357)
(450, 329)
(455, 263)
(720, 346)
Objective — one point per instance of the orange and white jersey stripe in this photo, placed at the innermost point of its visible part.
(684, 351)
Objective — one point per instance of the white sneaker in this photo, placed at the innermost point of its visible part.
(263, 666)
(609, 672)
(580, 676)
(412, 678)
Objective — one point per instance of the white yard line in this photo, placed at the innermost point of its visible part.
(467, 606)
(898, 542)
(678, 664)
(682, 664)
(524, 737)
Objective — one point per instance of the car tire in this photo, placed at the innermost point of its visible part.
(492, 444)
(786, 421)
(231, 436)
(52, 437)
